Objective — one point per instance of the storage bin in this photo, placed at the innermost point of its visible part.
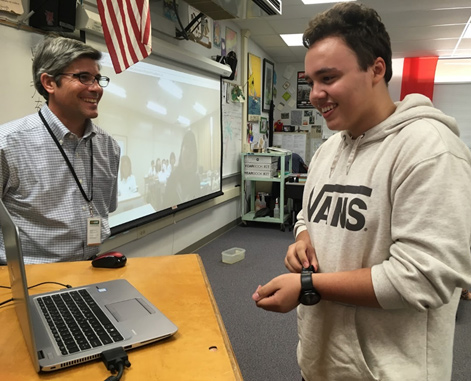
(257, 159)
(233, 255)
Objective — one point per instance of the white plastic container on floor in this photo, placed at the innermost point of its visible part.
(233, 255)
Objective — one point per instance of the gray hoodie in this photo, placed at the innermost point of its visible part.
(396, 199)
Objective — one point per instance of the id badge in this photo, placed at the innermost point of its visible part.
(93, 231)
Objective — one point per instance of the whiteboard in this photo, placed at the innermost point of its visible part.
(232, 137)
(295, 142)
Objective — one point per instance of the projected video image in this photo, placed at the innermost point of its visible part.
(167, 123)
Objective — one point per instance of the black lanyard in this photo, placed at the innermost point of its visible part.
(68, 161)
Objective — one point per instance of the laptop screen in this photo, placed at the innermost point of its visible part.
(19, 286)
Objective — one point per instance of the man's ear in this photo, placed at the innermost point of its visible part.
(48, 82)
(379, 69)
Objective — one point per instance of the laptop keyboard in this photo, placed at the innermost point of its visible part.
(77, 322)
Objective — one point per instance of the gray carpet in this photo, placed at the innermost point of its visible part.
(265, 342)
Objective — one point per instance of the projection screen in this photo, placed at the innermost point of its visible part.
(167, 121)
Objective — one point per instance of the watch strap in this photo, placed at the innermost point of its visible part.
(306, 281)
(308, 295)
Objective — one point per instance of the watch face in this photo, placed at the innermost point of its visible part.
(309, 298)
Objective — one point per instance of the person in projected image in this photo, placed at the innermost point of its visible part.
(59, 170)
(162, 174)
(170, 165)
(173, 160)
(164, 165)
(184, 183)
(382, 243)
(158, 166)
(127, 181)
(151, 172)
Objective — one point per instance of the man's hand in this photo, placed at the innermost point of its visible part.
(280, 294)
(301, 254)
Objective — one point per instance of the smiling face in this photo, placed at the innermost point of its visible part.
(344, 94)
(72, 101)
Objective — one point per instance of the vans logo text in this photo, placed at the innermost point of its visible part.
(347, 211)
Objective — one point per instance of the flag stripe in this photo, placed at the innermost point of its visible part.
(106, 31)
(128, 49)
(116, 35)
(127, 30)
(146, 28)
(133, 33)
(140, 25)
(112, 38)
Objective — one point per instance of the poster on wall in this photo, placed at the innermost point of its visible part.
(255, 84)
(303, 91)
(169, 10)
(268, 78)
(231, 44)
(202, 30)
(217, 34)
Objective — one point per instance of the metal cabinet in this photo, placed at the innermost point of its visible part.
(262, 167)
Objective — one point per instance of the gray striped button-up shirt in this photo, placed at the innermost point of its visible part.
(41, 193)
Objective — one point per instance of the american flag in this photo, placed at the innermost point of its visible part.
(127, 30)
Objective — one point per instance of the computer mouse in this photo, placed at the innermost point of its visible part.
(111, 260)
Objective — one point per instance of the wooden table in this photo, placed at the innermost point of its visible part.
(175, 284)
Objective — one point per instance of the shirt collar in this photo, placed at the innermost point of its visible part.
(61, 131)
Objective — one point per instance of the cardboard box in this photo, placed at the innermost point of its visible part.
(266, 173)
(257, 159)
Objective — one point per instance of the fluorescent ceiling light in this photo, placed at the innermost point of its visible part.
(295, 39)
(467, 32)
(171, 88)
(183, 120)
(199, 108)
(453, 71)
(157, 108)
(308, 2)
(116, 90)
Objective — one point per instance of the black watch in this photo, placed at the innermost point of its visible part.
(308, 295)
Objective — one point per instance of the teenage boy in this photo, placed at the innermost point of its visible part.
(386, 218)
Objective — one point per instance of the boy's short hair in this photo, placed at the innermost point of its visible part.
(359, 27)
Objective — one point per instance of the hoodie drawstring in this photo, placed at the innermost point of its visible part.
(353, 153)
(340, 148)
(351, 157)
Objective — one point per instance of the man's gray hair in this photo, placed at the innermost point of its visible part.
(54, 54)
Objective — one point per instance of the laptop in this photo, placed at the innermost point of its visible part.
(117, 316)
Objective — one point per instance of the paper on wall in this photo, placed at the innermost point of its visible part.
(289, 71)
(296, 117)
(12, 6)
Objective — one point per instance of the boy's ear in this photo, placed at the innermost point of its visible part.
(379, 69)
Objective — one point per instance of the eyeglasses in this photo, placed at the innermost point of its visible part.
(88, 79)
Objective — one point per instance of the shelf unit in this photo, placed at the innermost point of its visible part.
(285, 171)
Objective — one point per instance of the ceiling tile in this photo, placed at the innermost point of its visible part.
(419, 27)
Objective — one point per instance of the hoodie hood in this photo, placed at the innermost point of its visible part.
(409, 110)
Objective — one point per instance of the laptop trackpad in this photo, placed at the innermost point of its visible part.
(129, 309)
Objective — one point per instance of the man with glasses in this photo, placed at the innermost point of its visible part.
(58, 170)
